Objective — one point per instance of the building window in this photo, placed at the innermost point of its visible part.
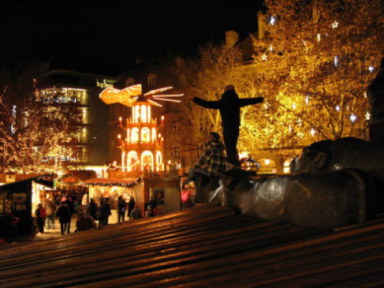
(175, 152)
(145, 137)
(151, 79)
(129, 82)
(175, 127)
(135, 135)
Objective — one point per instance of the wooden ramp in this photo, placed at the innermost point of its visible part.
(206, 246)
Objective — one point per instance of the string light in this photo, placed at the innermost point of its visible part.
(336, 61)
(272, 20)
(119, 184)
(367, 116)
(353, 118)
(337, 108)
(318, 37)
(371, 68)
(313, 132)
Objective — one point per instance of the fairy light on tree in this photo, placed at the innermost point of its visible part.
(35, 126)
(326, 49)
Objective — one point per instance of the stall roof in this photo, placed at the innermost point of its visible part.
(43, 179)
(77, 176)
(207, 246)
(19, 177)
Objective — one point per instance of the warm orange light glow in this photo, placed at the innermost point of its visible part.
(126, 96)
(129, 95)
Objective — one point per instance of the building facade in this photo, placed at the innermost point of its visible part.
(63, 89)
(179, 150)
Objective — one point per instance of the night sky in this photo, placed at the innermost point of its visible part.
(107, 36)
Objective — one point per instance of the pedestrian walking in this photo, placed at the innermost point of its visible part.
(40, 217)
(64, 214)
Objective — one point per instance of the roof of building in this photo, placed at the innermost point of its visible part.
(207, 246)
(77, 176)
(43, 179)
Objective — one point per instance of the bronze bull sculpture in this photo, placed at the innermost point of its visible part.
(344, 153)
(323, 200)
(340, 154)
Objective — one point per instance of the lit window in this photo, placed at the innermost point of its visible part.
(135, 135)
(145, 134)
(153, 134)
(129, 82)
(151, 79)
(147, 161)
(143, 114)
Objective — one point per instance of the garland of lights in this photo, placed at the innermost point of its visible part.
(119, 184)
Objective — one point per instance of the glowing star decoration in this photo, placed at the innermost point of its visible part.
(128, 96)
(335, 24)
(264, 57)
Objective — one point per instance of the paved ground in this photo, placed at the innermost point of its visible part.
(55, 233)
(207, 246)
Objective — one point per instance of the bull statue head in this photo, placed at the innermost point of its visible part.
(311, 160)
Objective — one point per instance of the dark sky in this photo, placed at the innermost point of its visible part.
(109, 35)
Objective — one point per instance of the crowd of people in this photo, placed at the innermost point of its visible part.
(65, 205)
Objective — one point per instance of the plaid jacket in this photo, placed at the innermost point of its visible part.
(213, 158)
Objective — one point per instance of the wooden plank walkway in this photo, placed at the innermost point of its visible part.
(206, 246)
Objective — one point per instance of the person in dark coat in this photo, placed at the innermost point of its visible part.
(84, 222)
(229, 106)
(136, 213)
(212, 162)
(375, 93)
(92, 208)
(105, 210)
(131, 205)
(64, 215)
(121, 207)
